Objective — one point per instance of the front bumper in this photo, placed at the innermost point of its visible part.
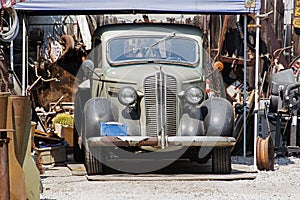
(138, 141)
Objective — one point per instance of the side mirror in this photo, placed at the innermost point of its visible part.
(88, 68)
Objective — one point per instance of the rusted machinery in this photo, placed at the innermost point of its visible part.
(54, 68)
(279, 113)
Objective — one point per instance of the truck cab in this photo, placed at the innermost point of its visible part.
(144, 101)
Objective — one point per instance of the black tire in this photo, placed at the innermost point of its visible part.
(93, 165)
(221, 160)
(274, 103)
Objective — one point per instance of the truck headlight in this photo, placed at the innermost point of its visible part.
(193, 95)
(127, 96)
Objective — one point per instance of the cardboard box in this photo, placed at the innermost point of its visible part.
(52, 155)
(65, 132)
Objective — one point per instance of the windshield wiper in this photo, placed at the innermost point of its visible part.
(167, 37)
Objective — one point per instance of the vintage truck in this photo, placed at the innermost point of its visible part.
(144, 105)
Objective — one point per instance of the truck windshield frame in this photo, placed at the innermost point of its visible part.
(140, 49)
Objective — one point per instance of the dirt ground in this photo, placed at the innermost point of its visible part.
(61, 182)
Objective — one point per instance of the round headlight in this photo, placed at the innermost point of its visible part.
(193, 95)
(127, 96)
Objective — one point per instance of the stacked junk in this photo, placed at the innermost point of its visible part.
(279, 110)
(27, 146)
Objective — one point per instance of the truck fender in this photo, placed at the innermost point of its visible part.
(82, 95)
(97, 110)
(191, 122)
(218, 116)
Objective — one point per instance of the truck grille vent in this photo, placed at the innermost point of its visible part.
(160, 104)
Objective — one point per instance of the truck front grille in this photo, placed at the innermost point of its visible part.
(160, 104)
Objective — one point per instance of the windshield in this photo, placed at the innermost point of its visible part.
(164, 49)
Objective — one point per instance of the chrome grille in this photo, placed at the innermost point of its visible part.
(160, 104)
(171, 102)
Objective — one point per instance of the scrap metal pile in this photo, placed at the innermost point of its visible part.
(278, 112)
(280, 109)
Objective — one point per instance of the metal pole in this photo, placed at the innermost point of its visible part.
(11, 52)
(275, 16)
(245, 84)
(24, 59)
(256, 86)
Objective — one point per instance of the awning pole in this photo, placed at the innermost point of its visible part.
(256, 87)
(11, 50)
(24, 58)
(245, 84)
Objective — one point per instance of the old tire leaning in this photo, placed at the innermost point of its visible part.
(259, 163)
(265, 153)
(92, 162)
(221, 160)
(269, 151)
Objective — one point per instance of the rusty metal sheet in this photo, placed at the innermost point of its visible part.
(123, 141)
(17, 178)
(296, 21)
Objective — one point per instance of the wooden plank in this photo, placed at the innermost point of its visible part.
(77, 169)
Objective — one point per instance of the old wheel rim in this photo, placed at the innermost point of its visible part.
(265, 153)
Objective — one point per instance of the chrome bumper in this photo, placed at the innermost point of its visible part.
(215, 141)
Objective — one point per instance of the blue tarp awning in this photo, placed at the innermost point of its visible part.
(136, 6)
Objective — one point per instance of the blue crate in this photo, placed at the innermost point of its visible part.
(113, 129)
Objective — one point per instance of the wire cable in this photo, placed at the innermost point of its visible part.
(14, 29)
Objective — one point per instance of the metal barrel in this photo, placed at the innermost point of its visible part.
(4, 169)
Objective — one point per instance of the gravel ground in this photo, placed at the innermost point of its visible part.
(282, 183)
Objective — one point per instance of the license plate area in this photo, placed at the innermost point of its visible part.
(113, 129)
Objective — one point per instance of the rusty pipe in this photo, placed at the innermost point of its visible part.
(4, 171)
(69, 44)
(223, 33)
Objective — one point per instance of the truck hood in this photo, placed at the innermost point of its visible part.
(137, 73)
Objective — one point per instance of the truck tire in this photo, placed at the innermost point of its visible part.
(92, 163)
(221, 160)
